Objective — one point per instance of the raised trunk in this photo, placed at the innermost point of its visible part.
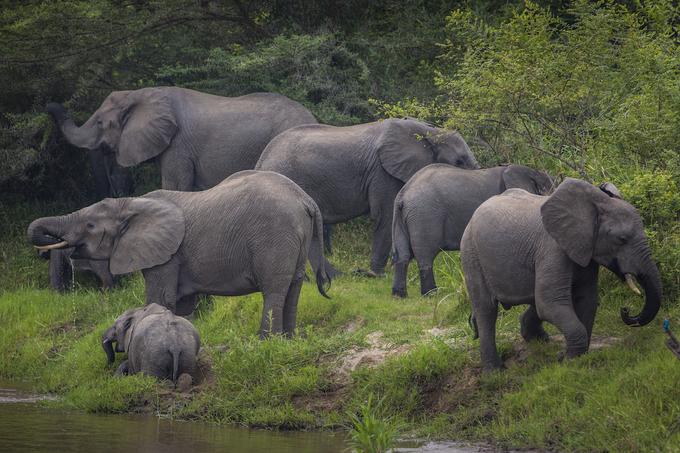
(82, 137)
(46, 231)
(650, 280)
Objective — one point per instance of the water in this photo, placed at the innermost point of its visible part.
(29, 427)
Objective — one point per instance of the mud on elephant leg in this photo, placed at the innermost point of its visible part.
(531, 326)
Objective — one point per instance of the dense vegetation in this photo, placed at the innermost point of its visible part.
(585, 89)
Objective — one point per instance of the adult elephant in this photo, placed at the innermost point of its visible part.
(251, 233)
(545, 252)
(354, 170)
(433, 208)
(200, 138)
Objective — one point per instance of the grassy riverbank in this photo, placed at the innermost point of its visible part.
(416, 357)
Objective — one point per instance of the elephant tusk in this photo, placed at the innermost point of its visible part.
(630, 280)
(58, 245)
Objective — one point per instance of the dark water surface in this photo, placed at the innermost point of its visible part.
(29, 427)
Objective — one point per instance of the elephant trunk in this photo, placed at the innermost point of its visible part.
(107, 345)
(650, 280)
(47, 232)
(82, 137)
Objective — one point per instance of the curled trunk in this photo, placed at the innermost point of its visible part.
(82, 137)
(650, 280)
(46, 231)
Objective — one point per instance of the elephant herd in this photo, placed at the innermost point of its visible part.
(250, 183)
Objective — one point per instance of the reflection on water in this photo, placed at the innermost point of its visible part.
(27, 427)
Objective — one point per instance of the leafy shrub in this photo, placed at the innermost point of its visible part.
(317, 70)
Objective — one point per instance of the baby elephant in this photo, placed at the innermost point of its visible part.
(432, 210)
(157, 342)
(545, 252)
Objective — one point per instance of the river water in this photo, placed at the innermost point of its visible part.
(26, 426)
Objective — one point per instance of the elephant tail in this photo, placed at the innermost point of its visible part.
(175, 363)
(401, 241)
(316, 256)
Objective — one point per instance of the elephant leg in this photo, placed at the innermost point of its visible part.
(290, 307)
(531, 326)
(382, 243)
(272, 314)
(101, 270)
(187, 304)
(381, 203)
(585, 297)
(60, 270)
(161, 284)
(485, 314)
(400, 278)
(123, 368)
(177, 172)
(327, 233)
(425, 262)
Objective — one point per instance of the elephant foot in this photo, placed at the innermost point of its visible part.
(368, 273)
(184, 382)
(399, 292)
(492, 367)
(429, 291)
(540, 336)
(565, 355)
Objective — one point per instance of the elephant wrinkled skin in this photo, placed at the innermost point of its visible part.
(200, 138)
(355, 170)
(546, 251)
(433, 208)
(157, 343)
(253, 232)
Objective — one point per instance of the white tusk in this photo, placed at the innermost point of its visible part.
(631, 284)
(50, 247)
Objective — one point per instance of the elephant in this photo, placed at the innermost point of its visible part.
(433, 208)
(545, 251)
(199, 138)
(62, 266)
(251, 233)
(157, 343)
(354, 170)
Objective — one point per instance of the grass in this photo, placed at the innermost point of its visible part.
(625, 397)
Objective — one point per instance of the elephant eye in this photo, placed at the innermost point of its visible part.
(459, 162)
(90, 226)
(622, 240)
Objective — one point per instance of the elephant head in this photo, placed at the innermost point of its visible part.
(135, 125)
(588, 224)
(132, 233)
(122, 329)
(407, 145)
(521, 177)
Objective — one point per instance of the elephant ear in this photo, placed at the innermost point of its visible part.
(570, 216)
(404, 147)
(148, 126)
(151, 232)
(521, 177)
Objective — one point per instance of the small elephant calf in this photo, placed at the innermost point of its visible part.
(157, 342)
